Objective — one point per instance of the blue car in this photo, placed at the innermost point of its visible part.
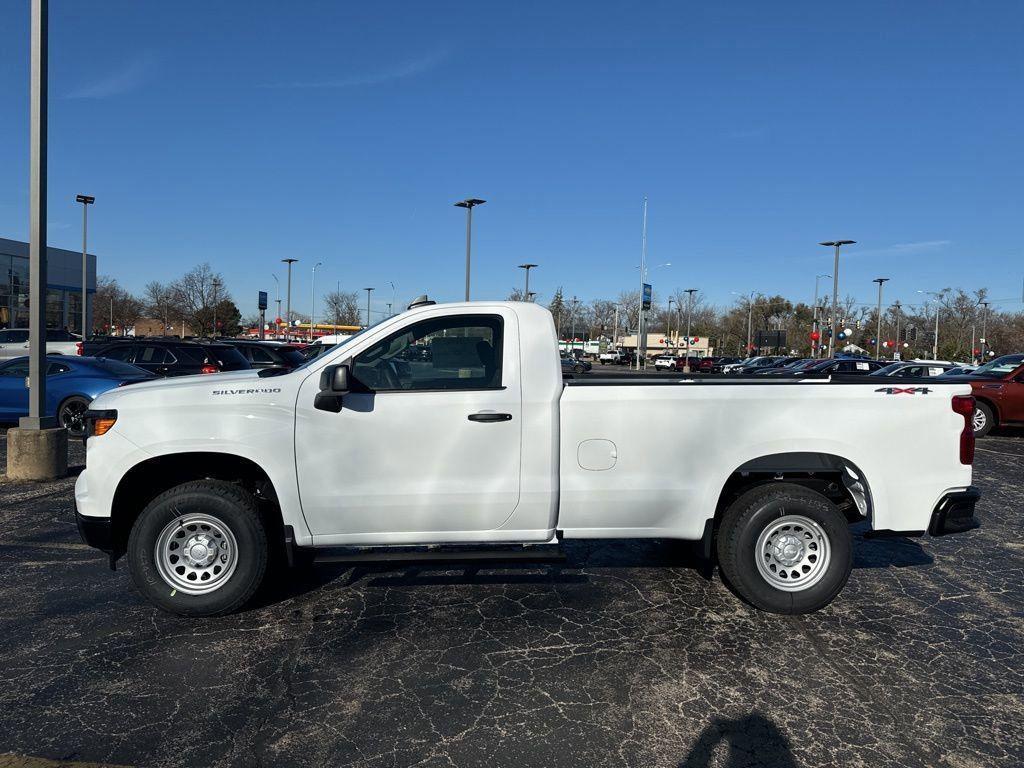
(71, 384)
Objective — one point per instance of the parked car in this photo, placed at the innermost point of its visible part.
(913, 368)
(611, 357)
(716, 363)
(14, 342)
(572, 365)
(740, 363)
(792, 367)
(961, 369)
(176, 357)
(269, 354)
(847, 366)
(779, 364)
(667, 362)
(998, 388)
(72, 383)
(488, 444)
(756, 363)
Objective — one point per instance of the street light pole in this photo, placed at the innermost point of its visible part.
(277, 325)
(816, 345)
(368, 290)
(312, 300)
(526, 290)
(288, 294)
(216, 290)
(86, 201)
(469, 204)
(878, 334)
(897, 355)
(837, 244)
(689, 312)
(984, 334)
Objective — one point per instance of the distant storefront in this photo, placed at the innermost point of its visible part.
(63, 286)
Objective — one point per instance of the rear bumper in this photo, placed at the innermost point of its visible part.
(955, 513)
(97, 532)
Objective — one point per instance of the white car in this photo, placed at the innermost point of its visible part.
(665, 361)
(14, 342)
(202, 479)
(611, 357)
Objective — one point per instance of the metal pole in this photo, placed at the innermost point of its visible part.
(878, 334)
(750, 318)
(368, 306)
(216, 286)
(86, 201)
(896, 353)
(312, 301)
(615, 330)
(935, 341)
(288, 310)
(469, 240)
(37, 418)
(835, 304)
(641, 337)
(668, 331)
(689, 315)
(984, 333)
(572, 343)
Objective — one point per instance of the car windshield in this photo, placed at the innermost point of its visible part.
(118, 368)
(999, 367)
(888, 369)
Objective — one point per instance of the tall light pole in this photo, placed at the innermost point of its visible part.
(469, 204)
(368, 291)
(86, 201)
(288, 294)
(216, 290)
(878, 334)
(526, 290)
(312, 301)
(984, 334)
(689, 313)
(277, 317)
(816, 345)
(897, 355)
(837, 244)
(935, 339)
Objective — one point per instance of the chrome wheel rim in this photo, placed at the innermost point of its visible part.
(196, 554)
(978, 420)
(72, 416)
(792, 553)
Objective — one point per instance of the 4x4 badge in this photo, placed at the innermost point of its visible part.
(904, 390)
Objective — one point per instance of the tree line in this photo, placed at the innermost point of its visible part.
(963, 318)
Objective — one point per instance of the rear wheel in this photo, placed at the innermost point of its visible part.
(199, 549)
(71, 415)
(785, 548)
(983, 420)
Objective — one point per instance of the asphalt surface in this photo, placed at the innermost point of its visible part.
(626, 654)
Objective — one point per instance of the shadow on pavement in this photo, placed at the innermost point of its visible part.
(752, 741)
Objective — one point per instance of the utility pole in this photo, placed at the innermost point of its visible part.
(816, 345)
(837, 244)
(216, 289)
(668, 332)
(288, 311)
(526, 290)
(469, 204)
(615, 330)
(750, 318)
(277, 317)
(689, 313)
(312, 300)
(368, 291)
(984, 330)
(86, 201)
(878, 335)
(896, 354)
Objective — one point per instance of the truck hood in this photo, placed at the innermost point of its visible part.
(204, 382)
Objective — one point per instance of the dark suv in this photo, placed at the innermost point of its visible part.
(269, 354)
(176, 357)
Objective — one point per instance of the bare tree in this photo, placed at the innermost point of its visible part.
(342, 308)
(196, 294)
(159, 303)
(115, 309)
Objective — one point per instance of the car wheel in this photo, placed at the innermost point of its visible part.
(199, 549)
(785, 549)
(71, 415)
(983, 419)
(579, 368)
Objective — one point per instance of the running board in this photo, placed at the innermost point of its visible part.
(544, 553)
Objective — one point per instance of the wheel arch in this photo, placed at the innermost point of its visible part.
(151, 477)
(834, 476)
(992, 406)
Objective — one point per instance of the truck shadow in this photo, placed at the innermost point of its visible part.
(580, 557)
(751, 741)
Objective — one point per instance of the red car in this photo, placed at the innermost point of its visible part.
(998, 393)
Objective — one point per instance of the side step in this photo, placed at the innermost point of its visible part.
(544, 553)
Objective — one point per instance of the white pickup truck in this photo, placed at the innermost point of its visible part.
(452, 425)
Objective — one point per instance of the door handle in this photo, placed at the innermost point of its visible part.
(487, 417)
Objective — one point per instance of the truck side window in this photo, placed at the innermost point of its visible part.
(454, 352)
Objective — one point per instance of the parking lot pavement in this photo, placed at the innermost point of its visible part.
(624, 655)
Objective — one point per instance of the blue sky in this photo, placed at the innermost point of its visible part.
(241, 133)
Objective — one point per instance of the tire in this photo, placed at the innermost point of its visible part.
(984, 419)
(69, 415)
(218, 521)
(578, 369)
(806, 551)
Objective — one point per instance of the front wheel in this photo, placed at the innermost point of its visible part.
(199, 549)
(983, 419)
(785, 548)
(71, 415)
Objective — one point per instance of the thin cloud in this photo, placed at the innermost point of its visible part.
(125, 80)
(400, 72)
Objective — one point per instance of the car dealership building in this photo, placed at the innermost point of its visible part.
(63, 286)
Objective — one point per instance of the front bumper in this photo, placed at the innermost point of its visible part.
(955, 513)
(97, 532)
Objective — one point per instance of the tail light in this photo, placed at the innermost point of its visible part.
(78, 348)
(207, 368)
(964, 405)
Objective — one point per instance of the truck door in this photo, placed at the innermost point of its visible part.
(427, 443)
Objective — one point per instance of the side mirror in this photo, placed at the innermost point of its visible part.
(334, 383)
